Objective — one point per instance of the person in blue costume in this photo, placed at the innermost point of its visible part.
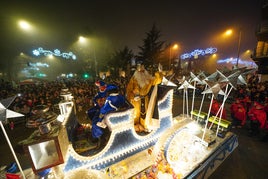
(114, 102)
(98, 100)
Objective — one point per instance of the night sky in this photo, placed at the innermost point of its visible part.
(120, 23)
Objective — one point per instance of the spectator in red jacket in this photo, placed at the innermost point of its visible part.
(257, 117)
(238, 114)
(246, 102)
(215, 109)
(266, 105)
(264, 132)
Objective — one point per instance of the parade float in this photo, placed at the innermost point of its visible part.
(190, 145)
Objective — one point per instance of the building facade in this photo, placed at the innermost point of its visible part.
(260, 55)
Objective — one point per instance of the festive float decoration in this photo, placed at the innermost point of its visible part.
(181, 147)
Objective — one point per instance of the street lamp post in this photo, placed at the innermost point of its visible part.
(85, 40)
(96, 64)
(174, 47)
(229, 32)
(238, 48)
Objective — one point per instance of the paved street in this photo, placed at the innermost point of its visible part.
(248, 161)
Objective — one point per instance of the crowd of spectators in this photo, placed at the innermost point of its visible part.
(255, 90)
(83, 91)
(48, 93)
(250, 107)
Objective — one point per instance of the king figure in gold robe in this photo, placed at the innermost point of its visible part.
(138, 93)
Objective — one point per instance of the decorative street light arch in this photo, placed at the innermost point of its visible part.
(197, 52)
(56, 52)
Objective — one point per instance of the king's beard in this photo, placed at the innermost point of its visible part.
(143, 78)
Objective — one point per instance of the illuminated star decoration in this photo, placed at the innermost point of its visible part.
(4, 114)
(167, 82)
(215, 88)
(242, 77)
(202, 77)
(212, 77)
(185, 85)
(196, 79)
(230, 77)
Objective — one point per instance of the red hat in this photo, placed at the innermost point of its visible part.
(102, 85)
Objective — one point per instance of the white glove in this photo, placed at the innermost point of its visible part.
(102, 124)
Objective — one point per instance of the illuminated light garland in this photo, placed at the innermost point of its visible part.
(234, 61)
(56, 52)
(34, 68)
(198, 52)
(38, 64)
(114, 152)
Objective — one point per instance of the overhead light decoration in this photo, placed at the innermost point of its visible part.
(241, 62)
(38, 64)
(198, 52)
(56, 52)
(34, 68)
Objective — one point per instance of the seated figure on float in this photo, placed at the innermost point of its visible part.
(113, 102)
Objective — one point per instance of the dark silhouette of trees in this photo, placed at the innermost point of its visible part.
(152, 49)
(120, 60)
